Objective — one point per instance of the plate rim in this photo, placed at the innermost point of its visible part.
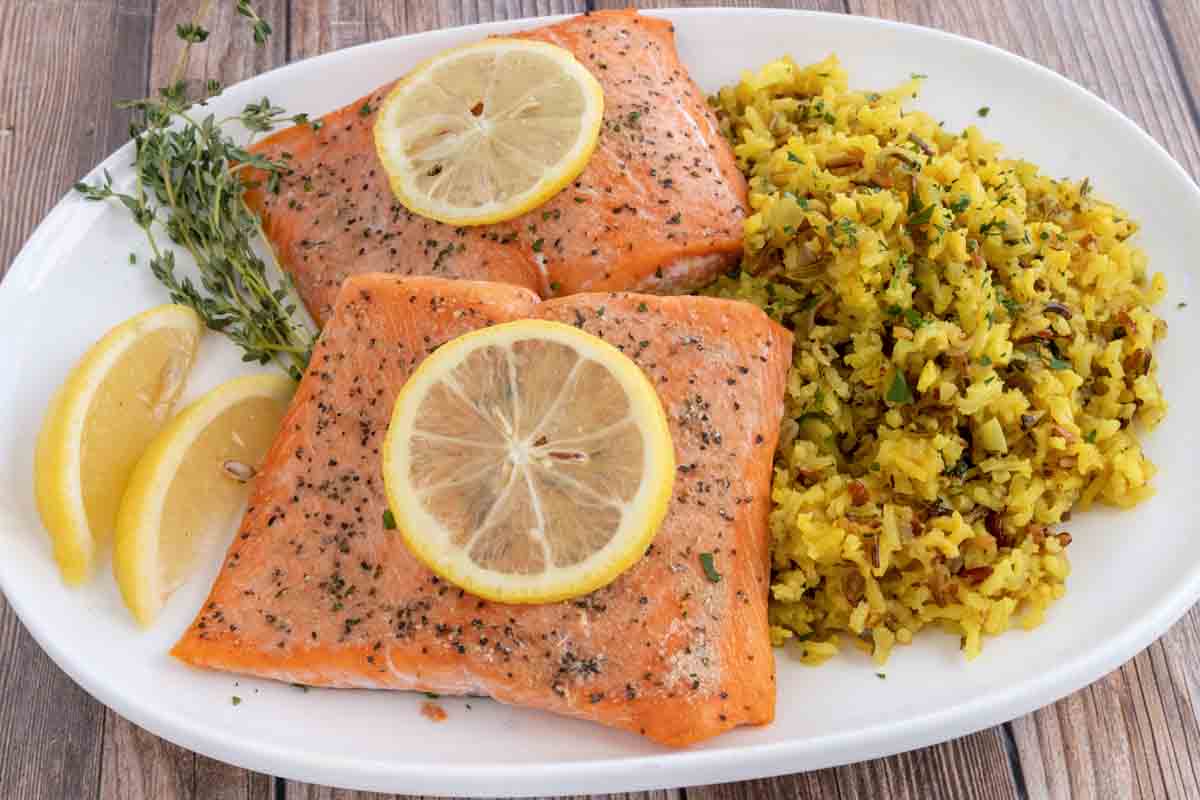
(667, 768)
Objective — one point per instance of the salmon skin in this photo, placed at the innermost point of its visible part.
(317, 590)
(659, 207)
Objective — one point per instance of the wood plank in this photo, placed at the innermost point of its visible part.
(971, 768)
(43, 755)
(1134, 732)
(836, 6)
(974, 767)
(308, 791)
(57, 120)
(1181, 19)
(385, 19)
(230, 54)
(325, 25)
(136, 764)
(140, 766)
(56, 102)
(321, 26)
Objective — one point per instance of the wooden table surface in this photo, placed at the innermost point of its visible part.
(63, 64)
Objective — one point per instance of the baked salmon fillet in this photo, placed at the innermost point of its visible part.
(316, 590)
(659, 207)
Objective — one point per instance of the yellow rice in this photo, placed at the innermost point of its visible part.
(972, 362)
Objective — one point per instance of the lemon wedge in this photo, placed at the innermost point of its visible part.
(100, 420)
(486, 132)
(190, 483)
(528, 462)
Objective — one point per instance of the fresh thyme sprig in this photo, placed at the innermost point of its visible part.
(261, 29)
(190, 184)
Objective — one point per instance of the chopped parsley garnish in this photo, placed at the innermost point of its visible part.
(960, 469)
(537, 245)
(237, 701)
(797, 199)
(898, 392)
(365, 109)
(809, 302)
(795, 159)
(960, 205)
(1091, 437)
(846, 227)
(389, 520)
(985, 361)
(1011, 306)
(710, 568)
(1056, 359)
(914, 318)
(923, 216)
(918, 76)
(984, 111)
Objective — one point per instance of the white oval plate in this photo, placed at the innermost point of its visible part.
(1134, 573)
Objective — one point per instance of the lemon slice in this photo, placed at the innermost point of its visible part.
(528, 462)
(112, 404)
(190, 483)
(486, 132)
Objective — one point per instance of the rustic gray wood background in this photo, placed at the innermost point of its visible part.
(63, 63)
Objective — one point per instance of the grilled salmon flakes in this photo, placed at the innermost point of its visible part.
(317, 589)
(659, 207)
